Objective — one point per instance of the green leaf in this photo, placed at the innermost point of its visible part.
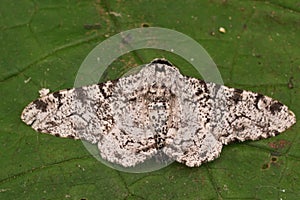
(43, 44)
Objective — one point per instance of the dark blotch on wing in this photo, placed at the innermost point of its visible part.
(203, 83)
(41, 105)
(57, 95)
(105, 94)
(257, 98)
(237, 95)
(276, 107)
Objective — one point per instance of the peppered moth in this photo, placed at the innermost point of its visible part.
(132, 118)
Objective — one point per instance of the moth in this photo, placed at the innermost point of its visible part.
(131, 118)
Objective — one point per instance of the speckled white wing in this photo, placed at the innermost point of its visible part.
(213, 115)
(79, 113)
(243, 115)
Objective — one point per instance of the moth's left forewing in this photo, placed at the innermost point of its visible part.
(48, 111)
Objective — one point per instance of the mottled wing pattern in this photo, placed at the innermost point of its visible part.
(134, 117)
(243, 115)
(214, 115)
(79, 113)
